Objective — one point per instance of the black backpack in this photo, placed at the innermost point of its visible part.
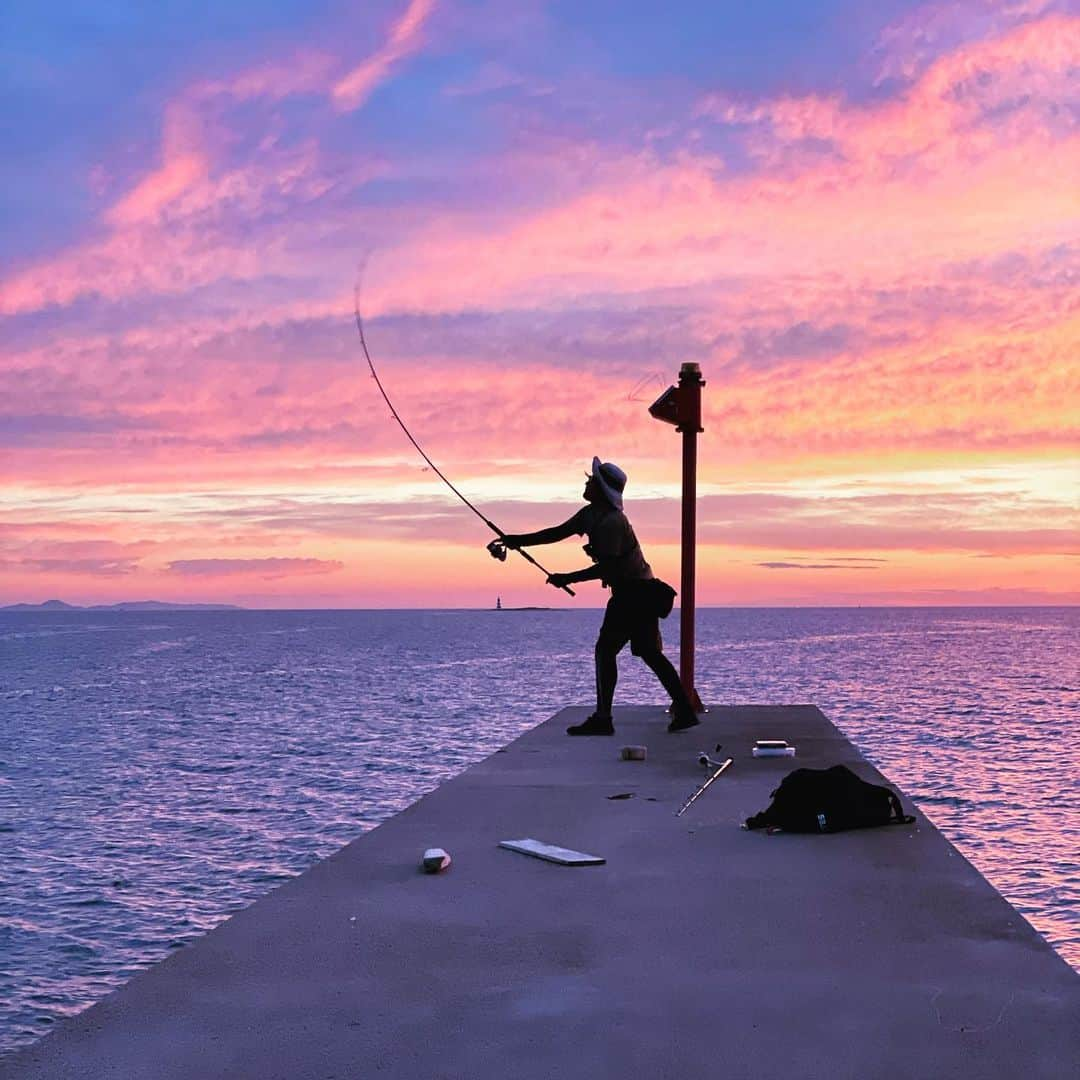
(829, 800)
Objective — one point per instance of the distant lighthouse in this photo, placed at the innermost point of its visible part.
(498, 603)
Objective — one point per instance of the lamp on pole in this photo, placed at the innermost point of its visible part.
(681, 406)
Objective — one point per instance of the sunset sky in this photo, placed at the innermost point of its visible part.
(861, 219)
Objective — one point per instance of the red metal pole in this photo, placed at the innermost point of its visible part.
(690, 384)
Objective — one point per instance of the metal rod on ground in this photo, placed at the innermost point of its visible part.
(701, 790)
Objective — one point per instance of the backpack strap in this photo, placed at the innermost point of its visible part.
(899, 817)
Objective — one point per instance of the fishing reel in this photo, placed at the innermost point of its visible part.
(705, 759)
(497, 549)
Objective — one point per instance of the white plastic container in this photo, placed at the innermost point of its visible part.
(773, 748)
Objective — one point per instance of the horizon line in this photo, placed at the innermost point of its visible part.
(212, 608)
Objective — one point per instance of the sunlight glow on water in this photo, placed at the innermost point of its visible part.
(158, 772)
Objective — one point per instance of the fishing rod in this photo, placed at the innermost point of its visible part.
(704, 759)
(498, 550)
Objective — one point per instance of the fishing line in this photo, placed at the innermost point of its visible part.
(420, 450)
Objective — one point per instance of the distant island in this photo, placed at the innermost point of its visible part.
(127, 605)
(499, 607)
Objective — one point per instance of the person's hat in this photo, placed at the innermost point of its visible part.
(612, 481)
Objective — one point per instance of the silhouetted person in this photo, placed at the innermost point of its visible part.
(631, 612)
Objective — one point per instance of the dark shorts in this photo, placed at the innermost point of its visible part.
(629, 618)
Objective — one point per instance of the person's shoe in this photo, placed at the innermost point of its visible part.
(682, 719)
(593, 725)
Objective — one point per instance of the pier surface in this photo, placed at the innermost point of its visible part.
(697, 950)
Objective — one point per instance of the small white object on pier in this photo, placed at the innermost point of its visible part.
(773, 748)
(435, 860)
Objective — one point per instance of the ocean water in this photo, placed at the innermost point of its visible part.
(160, 771)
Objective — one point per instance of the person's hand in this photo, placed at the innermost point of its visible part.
(560, 581)
(510, 541)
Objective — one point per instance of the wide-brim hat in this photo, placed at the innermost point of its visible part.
(610, 479)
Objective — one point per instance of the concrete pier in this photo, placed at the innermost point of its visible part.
(697, 950)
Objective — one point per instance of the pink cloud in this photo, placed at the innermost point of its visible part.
(108, 568)
(270, 568)
(1020, 78)
(443, 559)
(912, 42)
(951, 387)
(304, 71)
(32, 551)
(158, 189)
(184, 163)
(186, 160)
(639, 220)
(975, 189)
(354, 88)
(987, 523)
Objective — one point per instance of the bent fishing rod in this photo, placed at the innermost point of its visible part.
(497, 550)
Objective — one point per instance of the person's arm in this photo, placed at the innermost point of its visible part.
(543, 536)
(591, 573)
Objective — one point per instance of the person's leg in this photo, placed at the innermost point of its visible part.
(607, 672)
(649, 645)
(615, 632)
(608, 644)
(665, 671)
